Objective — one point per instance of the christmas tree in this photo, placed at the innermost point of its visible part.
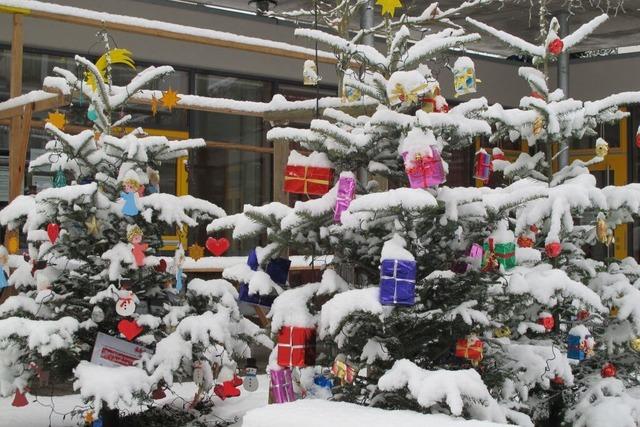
(476, 302)
(95, 280)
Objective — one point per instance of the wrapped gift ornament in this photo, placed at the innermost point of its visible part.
(482, 168)
(470, 348)
(406, 88)
(346, 193)
(278, 270)
(498, 254)
(464, 76)
(424, 170)
(281, 387)
(256, 299)
(397, 282)
(432, 101)
(580, 344)
(343, 370)
(310, 175)
(296, 346)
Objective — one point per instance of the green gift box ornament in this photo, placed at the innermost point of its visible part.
(499, 249)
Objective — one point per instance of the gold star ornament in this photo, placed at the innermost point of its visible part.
(196, 251)
(389, 6)
(170, 99)
(57, 119)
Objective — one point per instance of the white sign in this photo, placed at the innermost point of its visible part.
(112, 351)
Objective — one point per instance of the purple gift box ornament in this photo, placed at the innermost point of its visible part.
(475, 254)
(346, 193)
(282, 386)
(424, 171)
(397, 282)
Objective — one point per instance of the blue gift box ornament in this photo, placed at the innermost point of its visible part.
(257, 299)
(575, 349)
(252, 260)
(278, 271)
(397, 282)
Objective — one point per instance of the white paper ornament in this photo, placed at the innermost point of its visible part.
(97, 314)
(198, 372)
(310, 73)
(126, 305)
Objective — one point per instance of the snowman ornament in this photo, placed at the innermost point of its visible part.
(250, 375)
(126, 305)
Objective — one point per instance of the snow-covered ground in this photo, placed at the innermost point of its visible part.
(307, 413)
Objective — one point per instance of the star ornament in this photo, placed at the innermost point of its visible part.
(389, 6)
(57, 119)
(169, 99)
(196, 251)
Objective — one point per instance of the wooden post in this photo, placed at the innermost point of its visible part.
(280, 157)
(17, 146)
(16, 170)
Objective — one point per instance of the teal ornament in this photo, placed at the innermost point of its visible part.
(59, 180)
(92, 114)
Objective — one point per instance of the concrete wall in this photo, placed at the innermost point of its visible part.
(590, 79)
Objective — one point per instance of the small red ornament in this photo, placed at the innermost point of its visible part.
(19, 400)
(558, 380)
(583, 315)
(608, 370)
(525, 242)
(534, 228)
(556, 46)
(161, 267)
(553, 249)
(638, 137)
(535, 94)
(129, 328)
(546, 320)
(158, 393)
(53, 231)
(218, 246)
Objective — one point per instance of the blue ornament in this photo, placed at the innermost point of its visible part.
(179, 279)
(59, 180)
(3, 278)
(130, 208)
(323, 381)
(92, 114)
(97, 423)
(397, 282)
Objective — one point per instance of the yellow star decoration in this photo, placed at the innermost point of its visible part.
(57, 119)
(389, 6)
(93, 227)
(196, 251)
(154, 105)
(170, 98)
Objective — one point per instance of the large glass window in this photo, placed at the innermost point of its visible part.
(242, 173)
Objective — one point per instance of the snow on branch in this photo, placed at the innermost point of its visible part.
(509, 39)
(428, 47)
(455, 388)
(585, 29)
(41, 336)
(366, 53)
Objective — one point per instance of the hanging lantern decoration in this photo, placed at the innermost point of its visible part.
(546, 319)
(553, 249)
(482, 166)
(464, 76)
(310, 73)
(346, 193)
(608, 370)
(59, 179)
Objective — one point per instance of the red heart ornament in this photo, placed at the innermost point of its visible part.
(129, 328)
(161, 267)
(53, 231)
(218, 246)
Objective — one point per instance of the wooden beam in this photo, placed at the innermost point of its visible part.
(50, 103)
(166, 30)
(239, 147)
(17, 44)
(16, 177)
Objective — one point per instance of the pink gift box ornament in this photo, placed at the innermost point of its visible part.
(425, 171)
(282, 386)
(346, 193)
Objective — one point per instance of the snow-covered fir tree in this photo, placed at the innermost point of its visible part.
(476, 302)
(93, 265)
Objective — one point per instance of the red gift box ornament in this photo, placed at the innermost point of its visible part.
(310, 175)
(546, 319)
(482, 166)
(296, 346)
(470, 348)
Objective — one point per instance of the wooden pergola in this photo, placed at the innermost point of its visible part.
(18, 110)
